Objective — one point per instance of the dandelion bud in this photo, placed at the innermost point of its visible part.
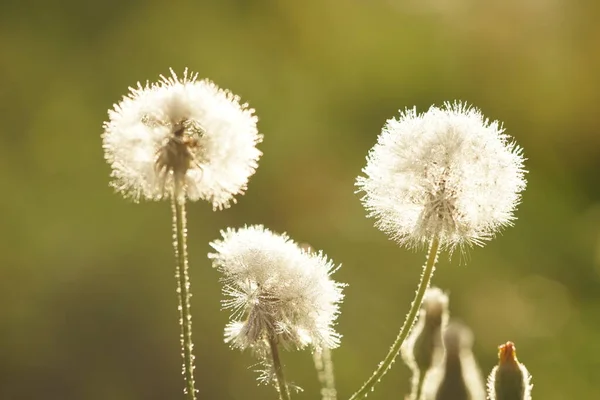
(181, 135)
(276, 290)
(424, 347)
(428, 332)
(447, 173)
(509, 380)
(458, 377)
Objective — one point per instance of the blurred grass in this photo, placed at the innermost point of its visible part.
(87, 298)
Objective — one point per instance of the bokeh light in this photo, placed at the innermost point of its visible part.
(87, 302)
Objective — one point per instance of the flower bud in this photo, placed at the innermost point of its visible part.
(434, 315)
(424, 347)
(509, 380)
(458, 377)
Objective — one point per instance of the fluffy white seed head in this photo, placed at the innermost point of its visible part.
(273, 287)
(447, 172)
(181, 135)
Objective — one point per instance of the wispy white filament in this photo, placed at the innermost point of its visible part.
(448, 172)
(181, 129)
(273, 287)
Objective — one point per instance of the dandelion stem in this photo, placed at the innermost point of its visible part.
(282, 388)
(183, 293)
(411, 317)
(324, 367)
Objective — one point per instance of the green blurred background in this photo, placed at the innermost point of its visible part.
(87, 301)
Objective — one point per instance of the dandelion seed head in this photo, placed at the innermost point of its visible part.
(184, 134)
(273, 287)
(447, 172)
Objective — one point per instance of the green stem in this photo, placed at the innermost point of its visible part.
(282, 388)
(386, 364)
(183, 293)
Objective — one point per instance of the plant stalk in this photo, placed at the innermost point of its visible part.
(282, 388)
(411, 317)
(324, 367)
(183, 293)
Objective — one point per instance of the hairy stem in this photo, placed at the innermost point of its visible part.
(282, 388)
(183, 293)
(411, 317)
(324, 367)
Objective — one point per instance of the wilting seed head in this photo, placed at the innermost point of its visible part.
(276, 290)
(510, 379)
(448, 173)
(183, 136)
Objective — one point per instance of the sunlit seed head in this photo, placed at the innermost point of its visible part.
(181, 135)
(447, 172)
(275, 289)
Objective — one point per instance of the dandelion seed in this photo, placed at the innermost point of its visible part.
(273, 287)
(447, 173)
(183, 135)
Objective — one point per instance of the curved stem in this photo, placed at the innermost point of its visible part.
(282, 388)
(183, 293)
(411, 317)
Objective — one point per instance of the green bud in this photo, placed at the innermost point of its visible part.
(435, 316)
(424, 348)
(460, 375)
(509, 380)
